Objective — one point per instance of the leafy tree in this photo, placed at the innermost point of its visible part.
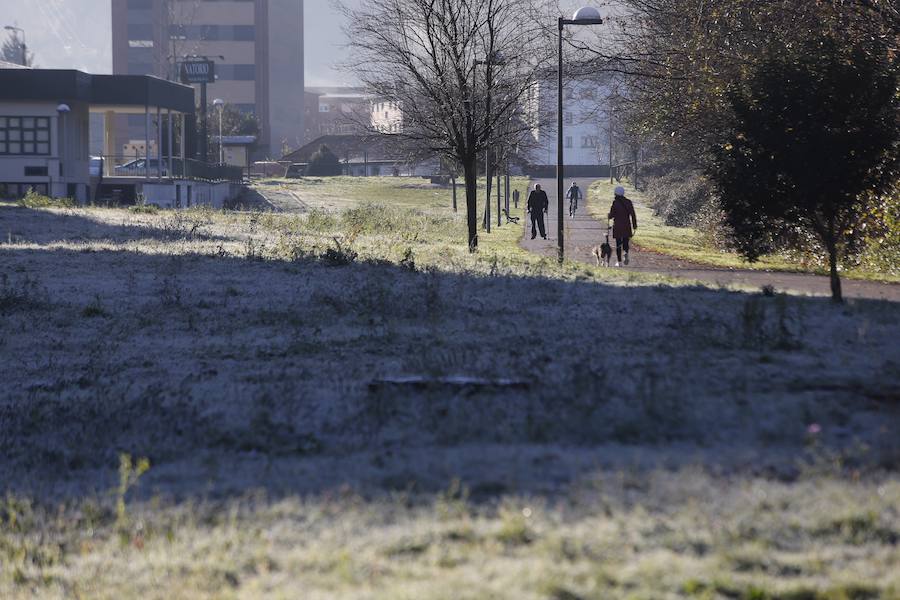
(234, 122)
(324, 163)
(813, 143)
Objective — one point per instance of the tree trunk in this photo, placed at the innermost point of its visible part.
(453, 182)
(471, 174)
(836, 293)
(487, 193)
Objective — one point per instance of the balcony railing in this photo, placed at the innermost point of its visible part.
(154, 168)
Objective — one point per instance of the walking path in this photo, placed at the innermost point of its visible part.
(584, 232)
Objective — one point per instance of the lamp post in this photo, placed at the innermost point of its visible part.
(583, 16)
(63, 109)
(220, 104)
(494, 59)
(16, 30)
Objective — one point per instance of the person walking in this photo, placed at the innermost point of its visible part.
(623, 216)
(538, 204)
(516, 198)
(574, 195)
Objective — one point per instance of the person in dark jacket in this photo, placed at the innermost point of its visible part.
(623, 215)
(538, 204)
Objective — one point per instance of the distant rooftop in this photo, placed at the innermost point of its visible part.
(336, 90)
(122, 92)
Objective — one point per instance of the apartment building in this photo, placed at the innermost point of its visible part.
(585, 124)
(257, 46)
(338, 110)
(386, 116)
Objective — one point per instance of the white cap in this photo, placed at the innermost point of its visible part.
(620, 191)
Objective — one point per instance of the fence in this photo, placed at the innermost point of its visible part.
(155, 168)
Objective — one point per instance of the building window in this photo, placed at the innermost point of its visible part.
(567, 117)
(25, 135)
(324, 108)
(212, 33)
(236, 72)
(568, 141)
(140, 43)
(589, 141)
(140, 68)
(36, 172)
(140, 32)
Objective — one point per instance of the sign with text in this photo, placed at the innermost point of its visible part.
(198, 71)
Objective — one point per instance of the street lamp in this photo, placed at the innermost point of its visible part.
(63, 109)
(15, 29)
(583, 16)
(220, 104)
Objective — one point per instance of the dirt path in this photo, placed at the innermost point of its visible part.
(584, 232)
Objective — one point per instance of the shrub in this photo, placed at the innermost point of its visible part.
(882, 235)
(340, 255)
(324, 163)
(681, 198)
(34, 200)
(149, 209)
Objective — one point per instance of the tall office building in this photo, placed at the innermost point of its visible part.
(261, 42)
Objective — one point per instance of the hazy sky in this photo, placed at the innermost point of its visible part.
(76, 34)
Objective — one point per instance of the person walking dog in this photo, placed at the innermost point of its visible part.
(574, 195)
(538, 204)
(623, 216)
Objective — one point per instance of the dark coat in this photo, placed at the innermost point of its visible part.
(538, 201)
(622, 212)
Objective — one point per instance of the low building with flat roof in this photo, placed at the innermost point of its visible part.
(45, 136)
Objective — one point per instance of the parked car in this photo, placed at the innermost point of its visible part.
(296, 170)
(138, 167)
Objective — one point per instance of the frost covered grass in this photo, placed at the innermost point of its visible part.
(688, 244)
(662, 534)
(306, 389)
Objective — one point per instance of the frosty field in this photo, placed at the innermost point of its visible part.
(342, 402)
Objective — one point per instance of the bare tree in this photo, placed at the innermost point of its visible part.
(458, 69)
(180, 40)
(13, 51)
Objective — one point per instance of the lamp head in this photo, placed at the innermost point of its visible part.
(218, 103)
(587, 15)
(586, 12)
(63, 108)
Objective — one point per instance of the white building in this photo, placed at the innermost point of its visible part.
(585, 126)
(387, 116)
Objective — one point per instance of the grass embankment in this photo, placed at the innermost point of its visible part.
(657, 443)
(441, 239)
(688, 244)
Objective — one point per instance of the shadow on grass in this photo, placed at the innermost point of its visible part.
(233, 374)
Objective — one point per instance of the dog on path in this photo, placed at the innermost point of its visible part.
(603, 252)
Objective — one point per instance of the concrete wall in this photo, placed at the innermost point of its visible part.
(186, 194)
